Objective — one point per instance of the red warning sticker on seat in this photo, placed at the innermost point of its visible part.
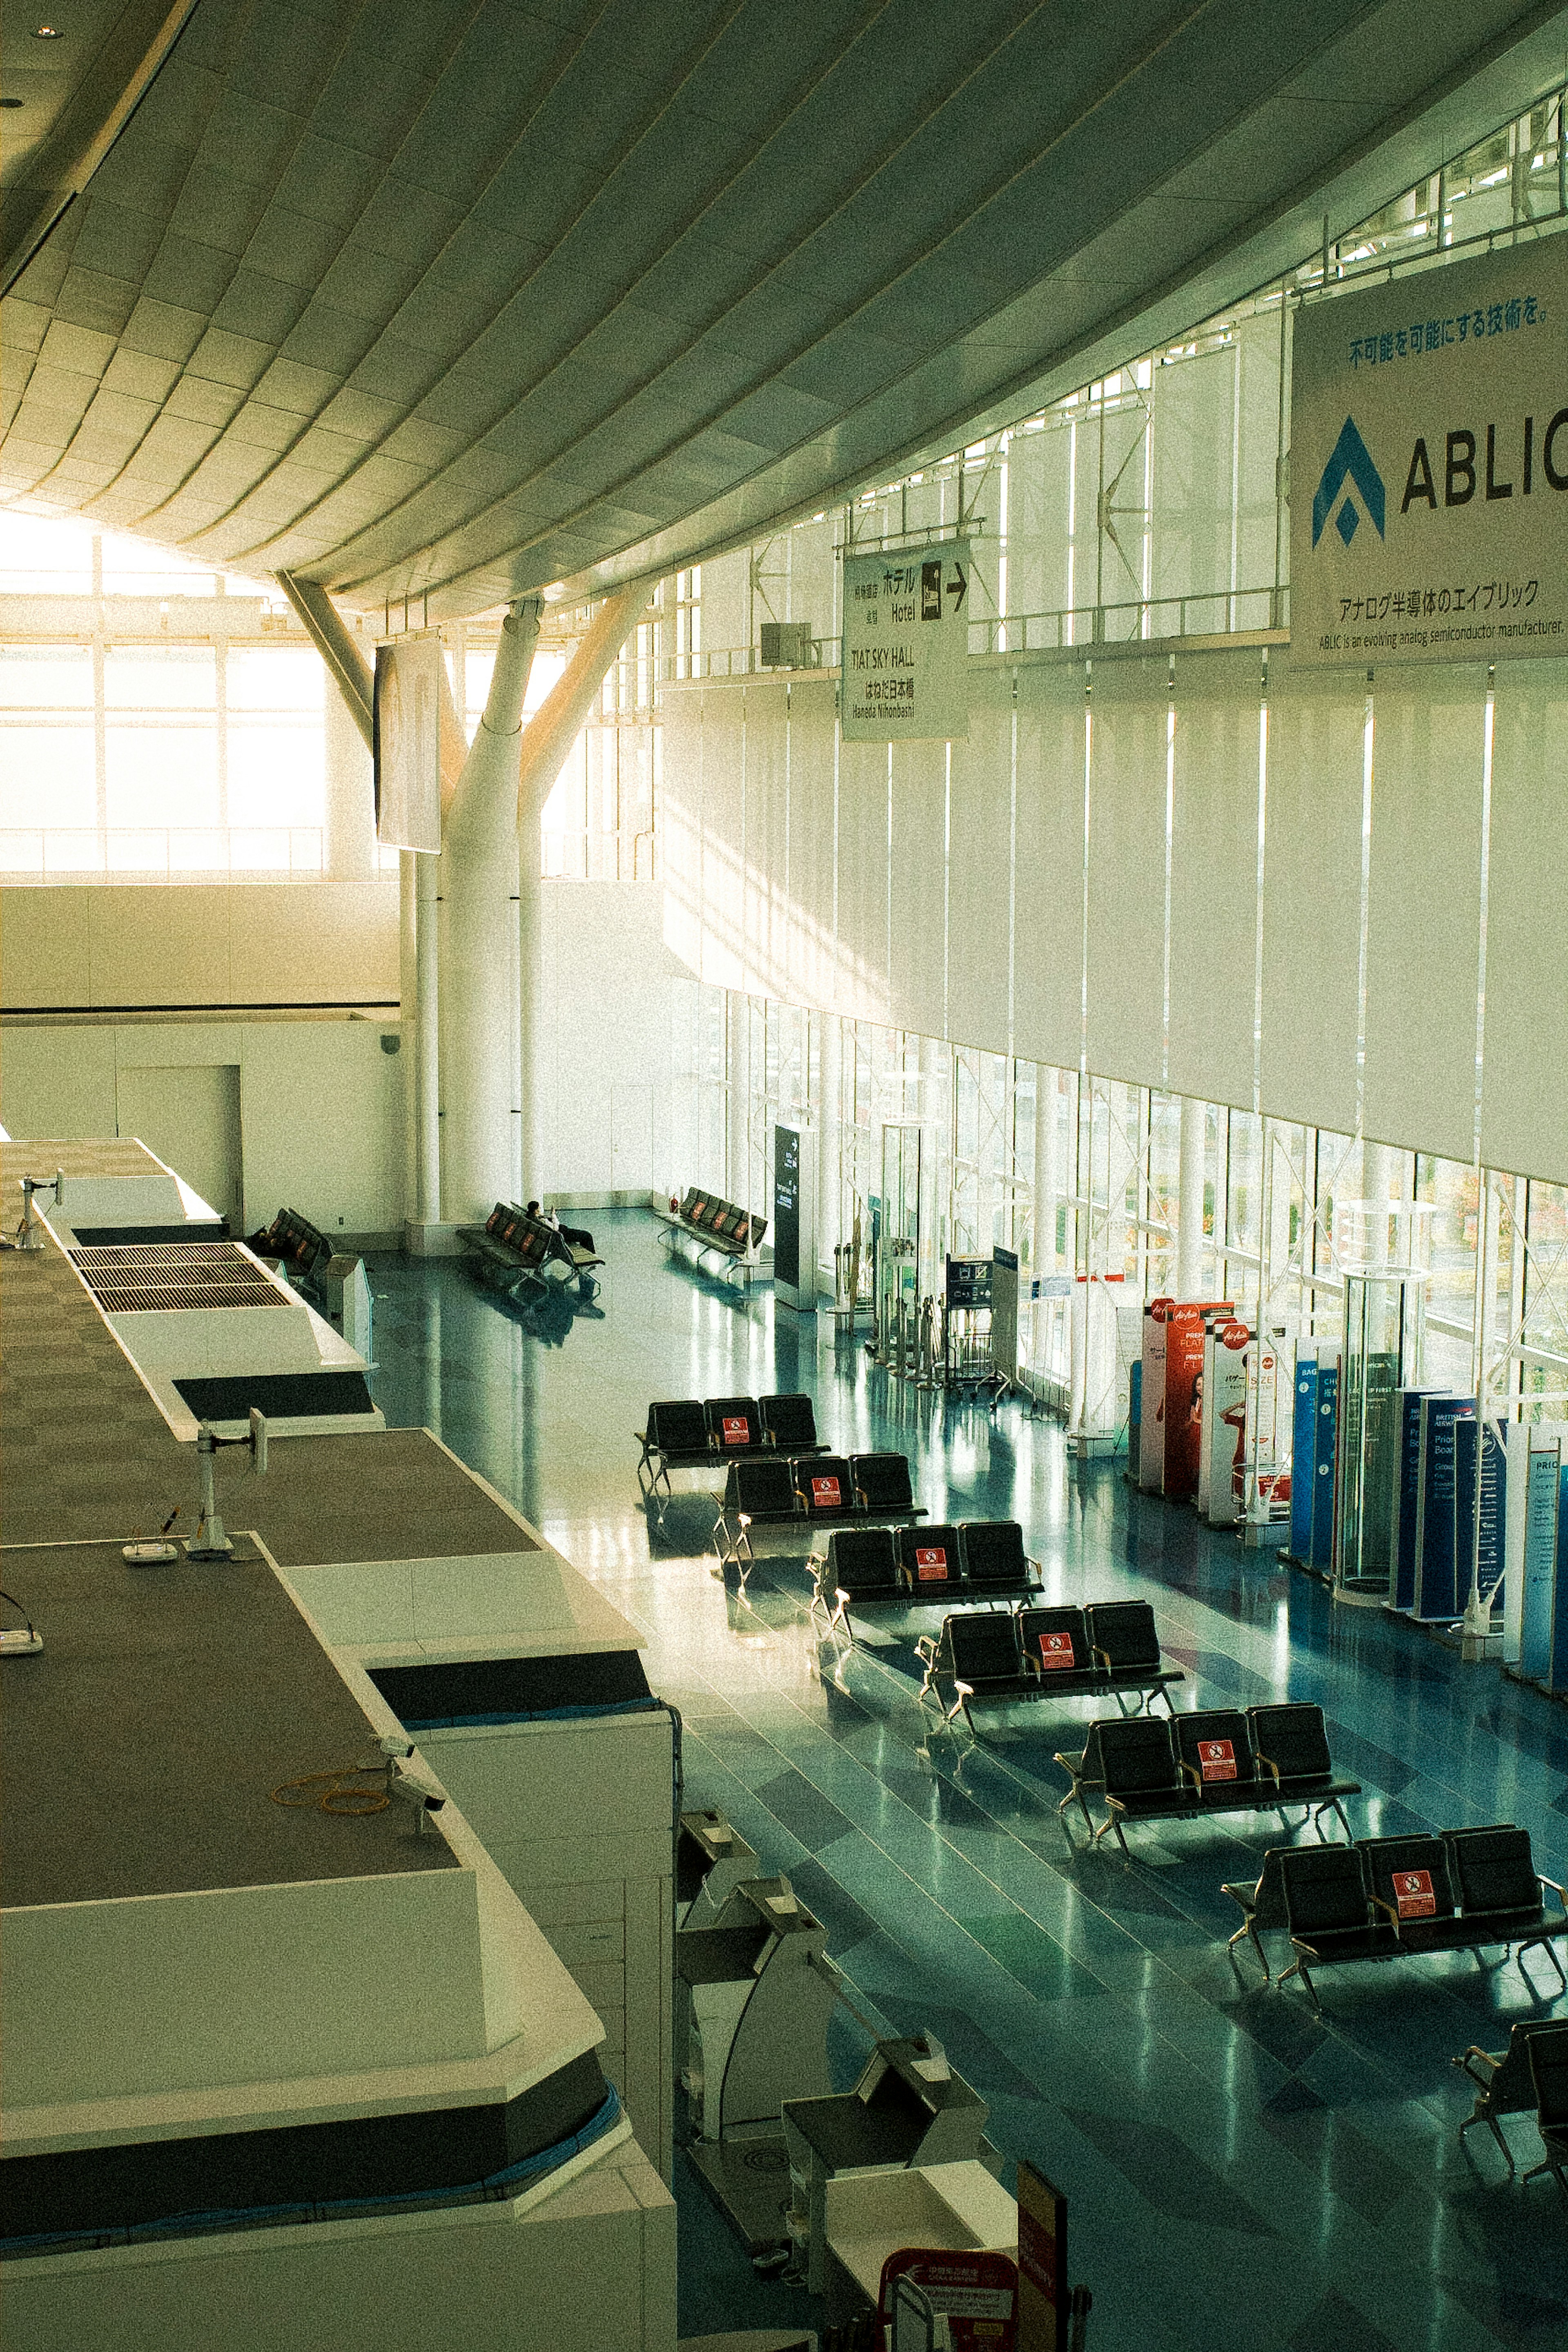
(1055, 1651)
(1217, 1759)
(736, 1430)
(825, 1494)
(930, 1564)
(1412, 1894)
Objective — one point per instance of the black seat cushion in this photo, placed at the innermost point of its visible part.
(1325, 1894)
(863, 1563)
(734, 1423)
(929, 1558)
(1123, 1631)
(984, 1649)
(824, 1485)
(1216, 1746)
(994, 1555)
(1133, 1757)
(1548, 2048)
(1494, 1873)
(789, 1423)
(1055, 1641)
(1290, 1735)
(760, 1489)
(1411, 1876)
(678, 1427)
(882, 1481)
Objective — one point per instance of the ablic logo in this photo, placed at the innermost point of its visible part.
(1350, 467)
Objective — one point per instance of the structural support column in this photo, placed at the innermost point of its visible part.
(479, 882)
(425, 1203)
(1190, 1200)
(1042, 1248)
(829, 1113)
(551, 732)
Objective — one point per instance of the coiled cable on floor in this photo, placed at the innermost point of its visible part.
(341, 1791)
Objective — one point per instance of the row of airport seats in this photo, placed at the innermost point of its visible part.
(1106, 1649)
(511, 1248)
(295, 1241)
(1530, 2076)
(717, 1224)
(693, 1434)
(1386, 1898)
(871, 1567)
(802, 1492)
(1215, 1760)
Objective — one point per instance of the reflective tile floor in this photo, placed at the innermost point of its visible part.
(1242, 2176)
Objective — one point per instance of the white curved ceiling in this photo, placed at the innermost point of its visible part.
(459, 301)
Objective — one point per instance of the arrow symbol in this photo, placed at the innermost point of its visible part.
(958, 586)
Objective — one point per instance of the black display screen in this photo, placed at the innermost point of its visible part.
(786, 1207)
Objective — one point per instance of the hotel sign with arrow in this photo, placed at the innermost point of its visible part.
(905, 645)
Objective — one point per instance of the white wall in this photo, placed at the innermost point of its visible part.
(218, 944)
(606, 1031)
(320, 1102)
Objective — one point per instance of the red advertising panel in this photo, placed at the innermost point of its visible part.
(1183, 1391)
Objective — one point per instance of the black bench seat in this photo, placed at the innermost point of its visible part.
(512, 1251)
(691, 1433)
(1401, 1897)
(759, 1517)
(715, 1224)
(1214, 1761)
(1110, 1649)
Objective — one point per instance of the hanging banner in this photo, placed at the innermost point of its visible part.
(408, 744)
(1429, 465)
(907, 644)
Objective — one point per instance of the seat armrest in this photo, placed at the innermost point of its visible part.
(927, 1646)
(1486, 2059)
(1191, 1772)
(1244, 1893)
(1390, 1911)
(964, 1690)
(1271, 1769)
(1308, 1951)
(1102, 1657)
(743, 1518)
(1558, 1891)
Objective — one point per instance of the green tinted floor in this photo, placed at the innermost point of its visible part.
(1243, 2177)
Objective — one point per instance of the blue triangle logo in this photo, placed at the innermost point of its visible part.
(1350, 463)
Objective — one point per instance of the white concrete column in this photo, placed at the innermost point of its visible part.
(425, 1207)
(478, 885)
(348, 843)
(737, 1155)
(527, 949)
(1190, 1200)
(408, 999)
(1042, 1249)
(830, 1066)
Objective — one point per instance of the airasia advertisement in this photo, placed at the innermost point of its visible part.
(1184, 1323)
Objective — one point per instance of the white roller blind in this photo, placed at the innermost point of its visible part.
(1214, 876)
(680, 823)
(979, 867)
(1424, 908)
(1048, 881)
(767, 831)
(1524, 1090)
(919, 936)
(723, 834)
(863, 983)
(1124, 946)
(1312, 894)
(809, 946)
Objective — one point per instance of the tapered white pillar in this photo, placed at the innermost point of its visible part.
(425, 1207)
(478, 888)
(1190, 1200)
(1043, 1244)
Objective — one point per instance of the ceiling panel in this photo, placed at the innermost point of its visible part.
(469, 297)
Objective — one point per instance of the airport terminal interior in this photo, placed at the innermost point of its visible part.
(784, 1176)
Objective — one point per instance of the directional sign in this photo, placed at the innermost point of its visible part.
(905, 648)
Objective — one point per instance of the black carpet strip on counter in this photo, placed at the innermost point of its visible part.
(282, 1396)
(503, 1690)
(303, 2172)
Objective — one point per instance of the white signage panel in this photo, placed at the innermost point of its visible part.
(408, 744)
(1429, 465)
(907, 644)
